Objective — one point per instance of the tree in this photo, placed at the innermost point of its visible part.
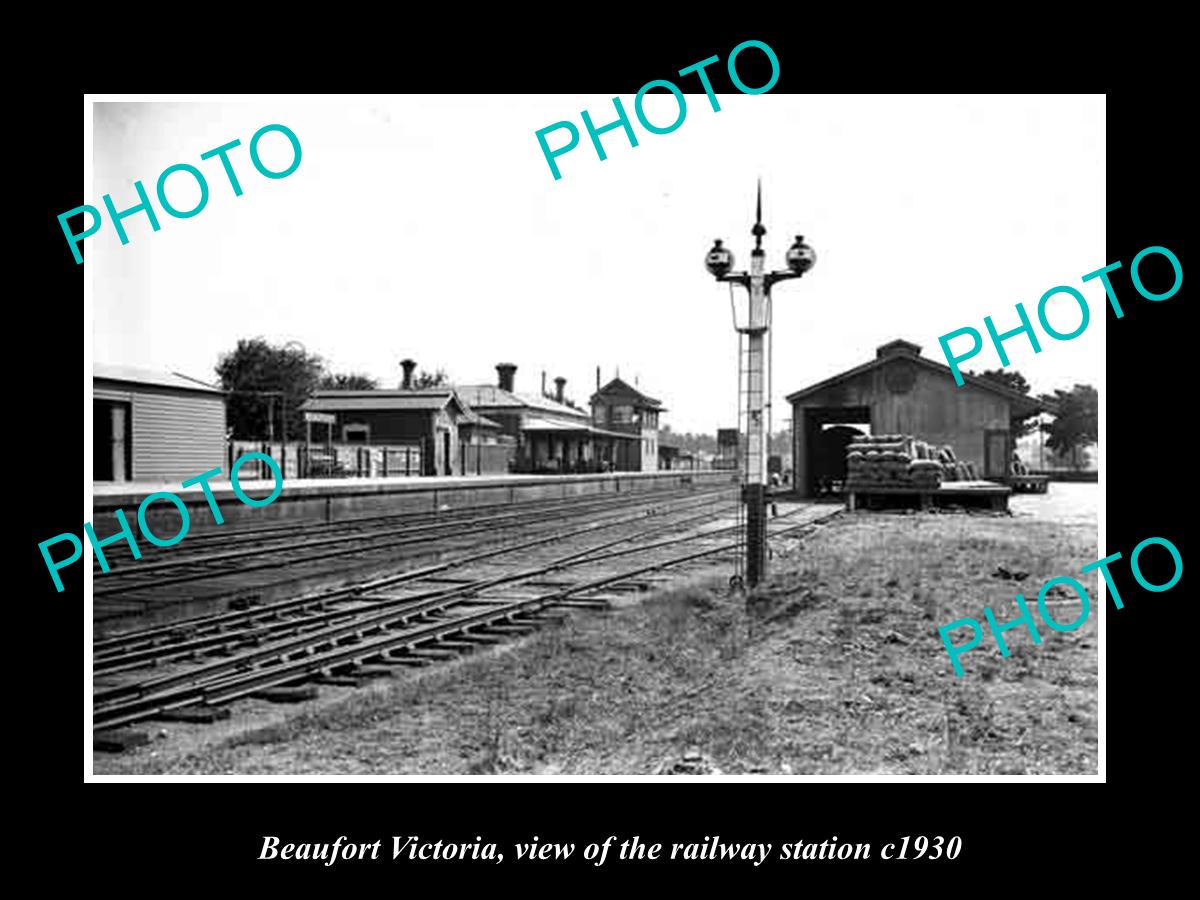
(780, 443)
(424, 379)
(347, 381)
(1018, 425)
(1077, 423)
(267, 385)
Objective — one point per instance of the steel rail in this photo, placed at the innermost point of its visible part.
(368, 618)
(425, 520)
(648, 510)
(233, 533)
(302, 546)
(222, 681)
(272, 620)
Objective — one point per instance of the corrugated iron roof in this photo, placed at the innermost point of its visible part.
(333, 401)
(161, 378)
(491, 397)
(487, 395)
(533, 401)
(1021, 402)
(536, 423)
(474, 418)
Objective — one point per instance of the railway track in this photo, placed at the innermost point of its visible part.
(408, 619)
(154, 645)
(216, 556)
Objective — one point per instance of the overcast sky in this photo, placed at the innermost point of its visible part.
(431, 227)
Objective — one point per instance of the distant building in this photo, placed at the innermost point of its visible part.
(902, 392)
(154, 426)
(668, 456)
(673, 458)
(618, 407)
(728, 441)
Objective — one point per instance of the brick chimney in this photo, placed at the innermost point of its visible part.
(407, 365)
(505, 371)
(560, 384)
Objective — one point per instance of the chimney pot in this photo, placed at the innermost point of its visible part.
(505, 371)
(559, 384)
(408, 365)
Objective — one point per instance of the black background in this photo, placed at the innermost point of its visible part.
(206, 838)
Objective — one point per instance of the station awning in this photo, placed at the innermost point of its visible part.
(549, 426)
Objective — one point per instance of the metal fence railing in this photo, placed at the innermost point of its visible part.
(298, 460)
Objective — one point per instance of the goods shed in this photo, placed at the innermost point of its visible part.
(902, 392)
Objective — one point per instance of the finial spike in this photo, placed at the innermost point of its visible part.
(759, 229)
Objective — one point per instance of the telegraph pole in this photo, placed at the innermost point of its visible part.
(753, 325)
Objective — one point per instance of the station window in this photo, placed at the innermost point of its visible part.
(356, 434)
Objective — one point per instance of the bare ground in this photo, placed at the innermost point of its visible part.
(835, 667)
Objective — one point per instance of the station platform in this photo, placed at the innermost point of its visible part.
(334, 499)
(963, 493)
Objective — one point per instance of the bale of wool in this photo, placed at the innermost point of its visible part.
(925, 473)
(904, 441)
(925, 465)
(891, 447)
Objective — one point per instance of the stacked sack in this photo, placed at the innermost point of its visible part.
(953, 468)
(893, 460)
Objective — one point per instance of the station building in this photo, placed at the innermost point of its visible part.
(167, 427)
(152, 426)
(902, 392)
(409, 431)
(550, 433)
